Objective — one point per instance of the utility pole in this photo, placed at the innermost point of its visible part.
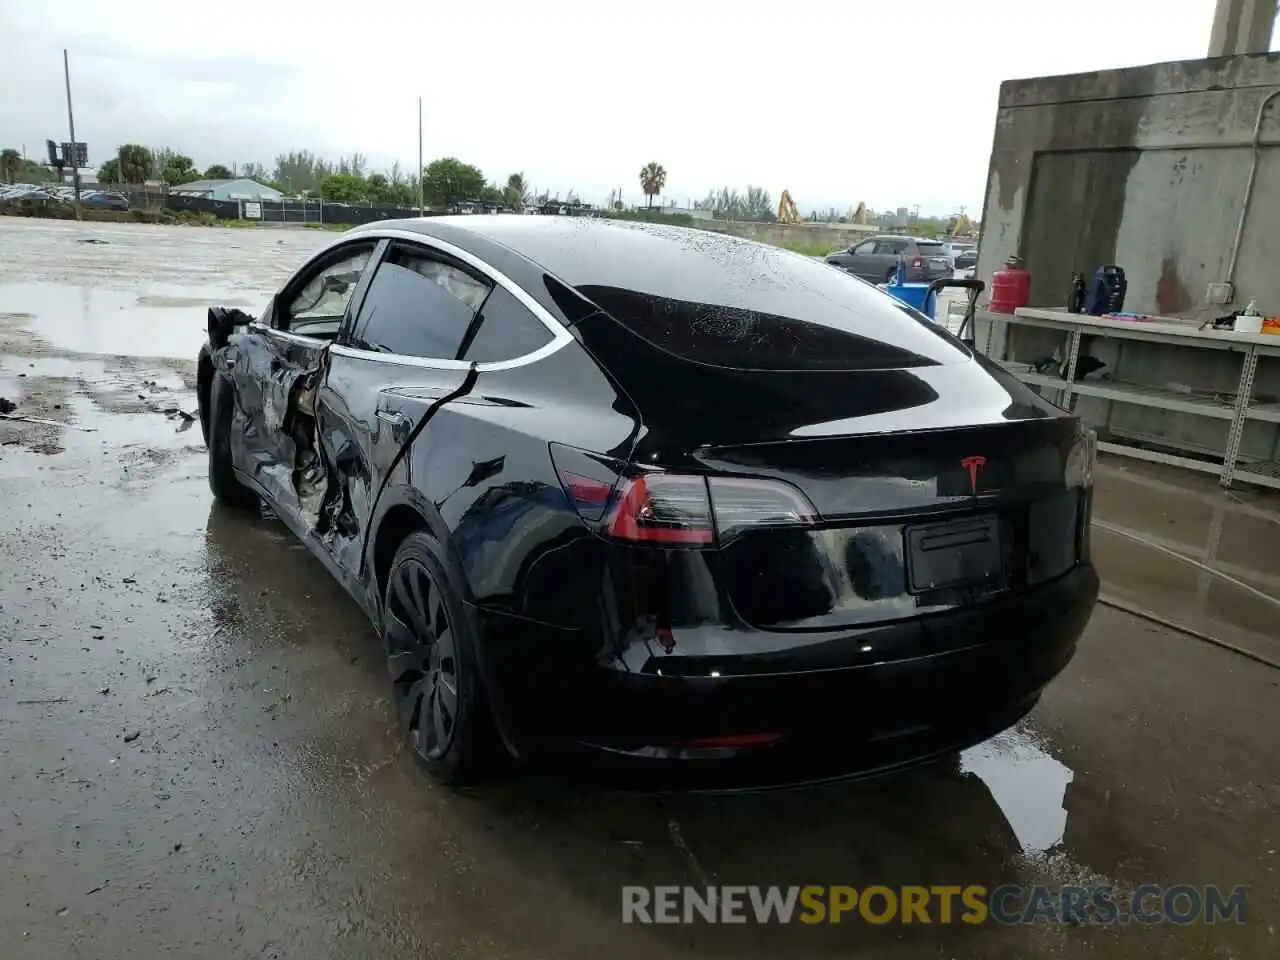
(71, 123)
(422, 210)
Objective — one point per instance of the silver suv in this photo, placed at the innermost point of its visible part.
(876, 259)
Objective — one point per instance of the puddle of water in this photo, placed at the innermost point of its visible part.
(1028, 784)
(163, 300)
(1187, 551)
(103, 321)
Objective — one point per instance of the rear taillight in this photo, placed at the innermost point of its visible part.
(918, 262)
(702, 511)
(662, 508)
(740, 504)
(686, 510)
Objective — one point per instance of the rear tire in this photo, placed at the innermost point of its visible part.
(431, 656)
(222, 477)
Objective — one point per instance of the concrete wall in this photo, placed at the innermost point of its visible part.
(837, 236)
(1143, 167)
(1146, 168)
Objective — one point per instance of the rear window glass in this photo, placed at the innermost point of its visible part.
(739, 338)
(719, 300)
(930, 249)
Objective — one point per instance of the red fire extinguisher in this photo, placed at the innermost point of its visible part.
(1010, 287)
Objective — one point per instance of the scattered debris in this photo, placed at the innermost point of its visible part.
(177, 846)
(130, 737)
(128, 580)
(174, 413)
(98, 889)
(47, 423)
(26, 703)
(93, 240)
(7, 405)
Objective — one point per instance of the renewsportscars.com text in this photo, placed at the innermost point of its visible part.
(973, 904)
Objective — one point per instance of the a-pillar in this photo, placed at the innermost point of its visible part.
(1242, 26)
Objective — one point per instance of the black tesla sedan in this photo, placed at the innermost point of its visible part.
(695, 507)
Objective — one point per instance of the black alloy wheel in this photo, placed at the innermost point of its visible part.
(430, 659)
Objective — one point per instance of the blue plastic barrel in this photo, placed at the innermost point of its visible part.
(913, 295)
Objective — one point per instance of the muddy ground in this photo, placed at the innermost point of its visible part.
(197, 753)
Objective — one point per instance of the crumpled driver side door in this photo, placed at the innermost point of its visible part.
(276, 365)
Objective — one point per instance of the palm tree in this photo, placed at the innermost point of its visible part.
(10, 163)
(516, 193)
(653, 177)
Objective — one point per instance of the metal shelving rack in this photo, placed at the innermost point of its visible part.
(1264, 473)
(1234, 417)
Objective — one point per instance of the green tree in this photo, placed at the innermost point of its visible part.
(449, 181)
(10, 164)
(135, 162)
(218, 172)
(343, 188)
(109, 172)
(377, 188)
(653, 177)
(516, 192)
(757, 204)
(160, 157)
(402, 194)
(299, 170)
(178, 170)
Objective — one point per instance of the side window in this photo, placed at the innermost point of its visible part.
(318, 308)
(507, 330)
(866, 247)
(890, 246)
(418, 306)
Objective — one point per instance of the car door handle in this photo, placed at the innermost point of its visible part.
(394, 419)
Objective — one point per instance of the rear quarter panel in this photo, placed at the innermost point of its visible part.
(484, 466)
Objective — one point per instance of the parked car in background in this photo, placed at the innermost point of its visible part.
(876, 259)
(963, 253)
(590, 522)
(101, 198)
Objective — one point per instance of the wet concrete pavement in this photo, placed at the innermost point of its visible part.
(197, 755)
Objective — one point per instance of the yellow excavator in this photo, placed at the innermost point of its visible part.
(787, 212)
(960, 226)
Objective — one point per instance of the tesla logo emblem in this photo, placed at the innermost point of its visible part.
(974, 465)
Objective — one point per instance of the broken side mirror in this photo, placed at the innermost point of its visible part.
(223, 322)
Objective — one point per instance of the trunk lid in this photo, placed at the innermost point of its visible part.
(911, 523)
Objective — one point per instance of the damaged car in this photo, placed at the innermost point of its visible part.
(688, 507)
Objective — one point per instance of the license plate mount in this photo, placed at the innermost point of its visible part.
(953, 553)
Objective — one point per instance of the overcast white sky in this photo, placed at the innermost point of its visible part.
(891, 103)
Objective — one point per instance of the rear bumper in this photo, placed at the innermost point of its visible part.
(550, 689)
